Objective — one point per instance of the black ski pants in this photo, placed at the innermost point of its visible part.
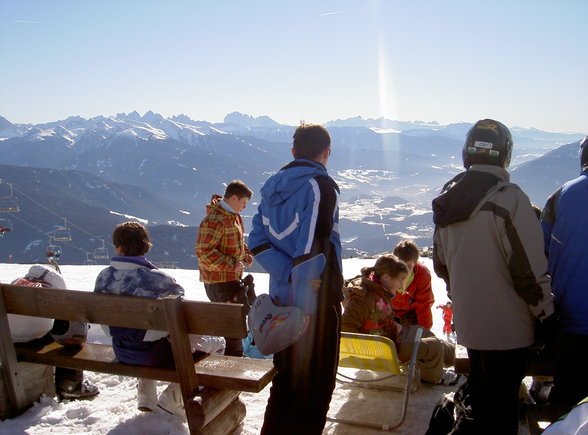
(495, 379)
(570, 383)
(226, 292)
(302, 388)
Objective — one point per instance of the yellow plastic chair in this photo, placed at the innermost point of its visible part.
(376, 353)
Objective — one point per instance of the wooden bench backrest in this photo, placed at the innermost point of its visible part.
(207, 318)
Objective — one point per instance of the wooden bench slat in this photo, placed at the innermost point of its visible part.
(216, 371)
(206, 318)
(213, 318)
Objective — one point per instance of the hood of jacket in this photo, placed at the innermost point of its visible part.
(462, 196)
(288, 180)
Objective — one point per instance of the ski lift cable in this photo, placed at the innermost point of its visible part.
(59, 216)
(45, 233)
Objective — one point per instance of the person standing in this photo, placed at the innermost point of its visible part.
(222, 252)
(412, 304)
(564, 220)
(447, 318)
(488, 247)
(295, 237)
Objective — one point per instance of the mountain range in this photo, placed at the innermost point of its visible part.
(93, 173)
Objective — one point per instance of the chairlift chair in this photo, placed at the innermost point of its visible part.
(62, 234)
(89, 261)
(9, 203)
(5, 226)
(101, 253)
(53, 251)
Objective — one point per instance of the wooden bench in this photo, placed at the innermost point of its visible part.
(536, 366)
(215, 409)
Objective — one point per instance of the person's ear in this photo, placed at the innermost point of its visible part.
(293, 152)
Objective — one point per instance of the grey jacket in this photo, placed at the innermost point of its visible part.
(488, 247)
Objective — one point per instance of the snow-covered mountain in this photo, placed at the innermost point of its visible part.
(388, 170)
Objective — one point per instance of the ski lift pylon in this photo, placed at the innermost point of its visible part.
(101, 253)
(62, 234)
(5, 226)
(9, 203)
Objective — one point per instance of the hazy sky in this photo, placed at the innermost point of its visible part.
(521, 62)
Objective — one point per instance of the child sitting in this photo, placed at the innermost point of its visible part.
(131, 274)
(368, 310)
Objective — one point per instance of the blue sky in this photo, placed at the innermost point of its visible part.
(521, 62)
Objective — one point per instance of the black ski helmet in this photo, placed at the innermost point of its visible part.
(488, 142)
(584, 153)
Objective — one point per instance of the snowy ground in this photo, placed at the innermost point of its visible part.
(114, 410)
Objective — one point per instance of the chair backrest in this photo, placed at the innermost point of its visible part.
(368, 352)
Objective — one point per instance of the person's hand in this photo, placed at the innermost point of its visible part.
(398, 328)
(315, 284)
(239, 266)
(248, 260)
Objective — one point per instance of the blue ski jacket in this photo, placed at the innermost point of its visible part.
(565, 229)
(295, 236)
(136, 276)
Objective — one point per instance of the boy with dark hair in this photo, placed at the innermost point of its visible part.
(133, 239)
(295, 237)
(310, 140)
(222, 252)
(413, 303)
(239, 189)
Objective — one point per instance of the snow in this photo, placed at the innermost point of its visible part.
(114, 410)
(384, 130)
(128, 216)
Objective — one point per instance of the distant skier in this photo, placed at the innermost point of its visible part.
(447, 318)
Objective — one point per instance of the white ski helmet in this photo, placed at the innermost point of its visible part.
(274, 328)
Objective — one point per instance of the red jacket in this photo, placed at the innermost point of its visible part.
(418, 297)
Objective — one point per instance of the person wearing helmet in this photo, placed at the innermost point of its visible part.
(488, 247)
(566, 244)
(69, 383)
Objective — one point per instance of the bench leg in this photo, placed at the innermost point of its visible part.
(207, 406)
(228, 420)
